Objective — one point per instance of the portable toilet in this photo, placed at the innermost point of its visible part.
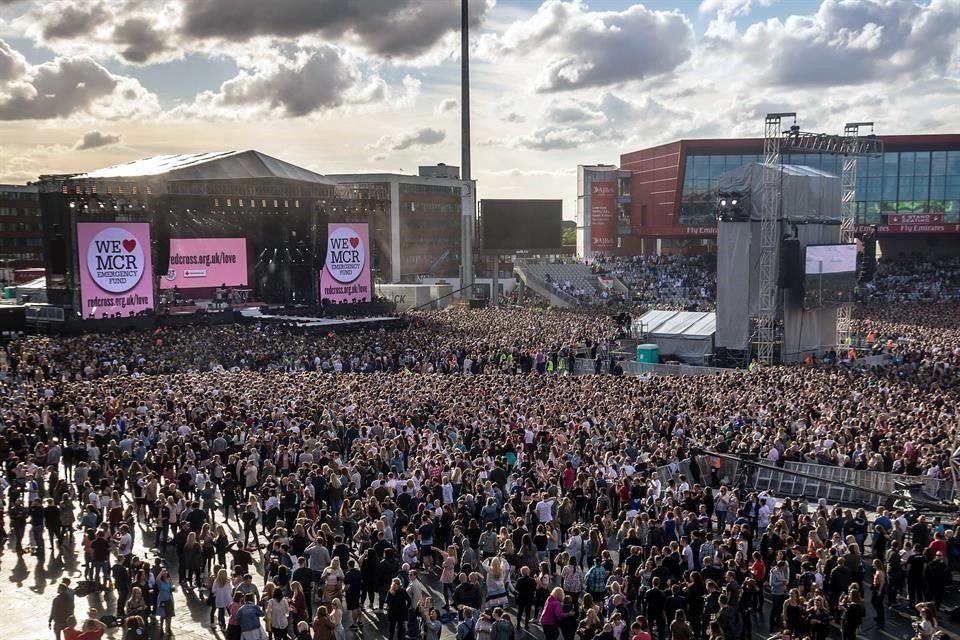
(648, 353)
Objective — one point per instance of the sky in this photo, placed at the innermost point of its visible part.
(342, 86)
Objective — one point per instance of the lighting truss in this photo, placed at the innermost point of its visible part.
(777, 141)
(798, 141)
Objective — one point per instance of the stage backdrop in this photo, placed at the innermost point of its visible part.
(115, 268)
(206, 262)
(346, 274)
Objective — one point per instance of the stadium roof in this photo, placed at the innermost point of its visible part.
(223, 165)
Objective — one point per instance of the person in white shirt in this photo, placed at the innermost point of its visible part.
(545, 509)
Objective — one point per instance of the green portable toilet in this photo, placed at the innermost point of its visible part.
(648, 353)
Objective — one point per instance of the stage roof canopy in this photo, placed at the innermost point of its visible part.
(691, 324)
(224, 165)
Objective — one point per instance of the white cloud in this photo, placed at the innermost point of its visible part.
(597, 48)
(298, 82)
(845, 43)
(732, 7)
(67, 87)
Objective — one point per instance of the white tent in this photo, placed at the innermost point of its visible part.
(684, 335)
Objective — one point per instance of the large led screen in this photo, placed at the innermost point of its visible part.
(206, 262)
(829, 275)
(115, 268)
(346, 273)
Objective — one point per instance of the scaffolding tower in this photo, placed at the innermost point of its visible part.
(766, 331)
(765, 335)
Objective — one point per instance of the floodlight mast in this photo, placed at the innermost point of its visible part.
(467, 196)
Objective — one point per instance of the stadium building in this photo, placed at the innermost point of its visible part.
(21, 233)
(666, 195)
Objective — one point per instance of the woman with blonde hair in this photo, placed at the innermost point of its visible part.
(298, 602)
(448, 573)
(336, 616)
(553, 614)
(332, 578)
(221, 592)
(498, 575)
(323, 626)
(398, 605)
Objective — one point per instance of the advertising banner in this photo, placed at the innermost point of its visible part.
(346, 274)
(891, 229)
(115, 268)
(206, 262)
(603, 216)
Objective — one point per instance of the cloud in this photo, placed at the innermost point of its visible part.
(845, 43)
(96, 139)
(12, 64)
(66, 87)
(311, 81)
(599, 48)
(732, 7)
(387, 28)
(558, 138)
(446, 105)
(573, 123)
(140, 41)
(66, 20)
(422, 137)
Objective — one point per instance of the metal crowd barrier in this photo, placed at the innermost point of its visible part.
(585, 366)
(837, 485)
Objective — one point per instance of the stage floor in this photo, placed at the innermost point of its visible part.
(311, 322)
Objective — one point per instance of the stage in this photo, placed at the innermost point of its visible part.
(322, 324)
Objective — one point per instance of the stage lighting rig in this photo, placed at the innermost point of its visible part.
(730, 207)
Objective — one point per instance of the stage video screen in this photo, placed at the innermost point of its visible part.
(521, 226)
(829, 275)
(197, 263)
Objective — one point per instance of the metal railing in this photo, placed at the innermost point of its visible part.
(837, 485)
(585, 366)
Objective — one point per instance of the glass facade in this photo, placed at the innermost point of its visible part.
(900, 182)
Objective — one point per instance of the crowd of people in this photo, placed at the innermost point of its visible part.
(918, 279)
(677, 281)
(447, 478)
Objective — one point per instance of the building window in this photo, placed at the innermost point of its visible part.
(216, 202)
(228, 203)
(296, 204)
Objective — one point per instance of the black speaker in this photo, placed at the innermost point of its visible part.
(161, 230)
(790, 275)
(58, 254)
(869, 265)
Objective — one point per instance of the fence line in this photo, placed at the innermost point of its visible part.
(835, 484)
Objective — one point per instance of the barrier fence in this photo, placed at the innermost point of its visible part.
(837, 485)
(586, 366)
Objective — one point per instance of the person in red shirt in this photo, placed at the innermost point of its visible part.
(91, 629)
(938, 544)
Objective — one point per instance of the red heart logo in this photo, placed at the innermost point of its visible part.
(354, 241)
(129, 244)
